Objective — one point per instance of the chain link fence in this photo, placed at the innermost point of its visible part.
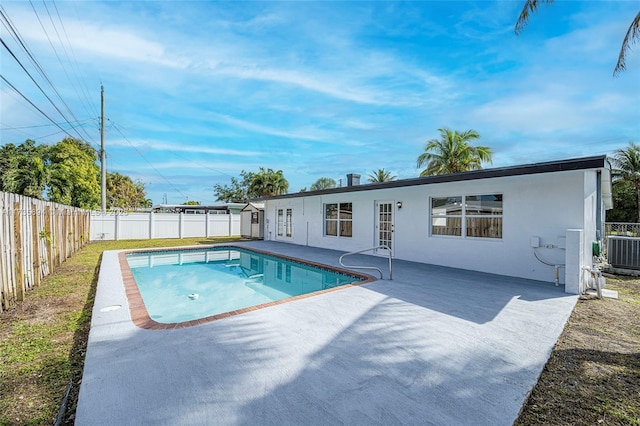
(619, 229)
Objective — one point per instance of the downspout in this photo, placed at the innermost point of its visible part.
(606, 200)
(599, 206)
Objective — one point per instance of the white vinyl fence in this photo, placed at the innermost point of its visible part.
(138, 226)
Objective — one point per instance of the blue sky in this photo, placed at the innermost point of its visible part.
(195, 92)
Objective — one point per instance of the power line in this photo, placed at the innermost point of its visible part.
(34, 105)
(33, 137)
(148, 162)
(16, 36)
(86, 92)
(30, 135)
(36, 83)
(55, 51)
(84, 33)
(42, 125)
(199, 164)
(66, 54)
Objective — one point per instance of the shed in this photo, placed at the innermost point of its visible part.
(252, 221)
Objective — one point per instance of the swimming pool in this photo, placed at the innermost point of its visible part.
(186, 287)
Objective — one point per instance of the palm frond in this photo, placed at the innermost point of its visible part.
(452, 153)
(530, 7)
(633, 35)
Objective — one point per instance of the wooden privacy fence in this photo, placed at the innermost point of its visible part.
(35, 238)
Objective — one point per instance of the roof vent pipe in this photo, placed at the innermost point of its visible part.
(353, 179)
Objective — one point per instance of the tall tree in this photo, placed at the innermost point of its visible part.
(381, 175)
(29, 177)
(625, 208)
(8, 154)
(23, 169)
(74, 174)
(263, 183)
(452, 153)
(234, 193)
(266, 183)
(323, 183)
(124, 193)
(627, 169)
(632, 35)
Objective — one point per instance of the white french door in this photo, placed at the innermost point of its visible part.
(384, 224)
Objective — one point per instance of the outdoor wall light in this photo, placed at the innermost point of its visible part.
(399, 205)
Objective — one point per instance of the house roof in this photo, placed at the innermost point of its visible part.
(224, 206)
(253, 205)
(595, 162)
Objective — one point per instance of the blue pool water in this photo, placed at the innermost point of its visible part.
(185, 285)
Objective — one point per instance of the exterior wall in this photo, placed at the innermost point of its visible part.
(245, 223)
(538, 205)
(247, 227)
(257, 229)
(591, 205)
(590, 213)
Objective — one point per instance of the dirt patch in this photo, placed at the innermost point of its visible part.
(593, 374)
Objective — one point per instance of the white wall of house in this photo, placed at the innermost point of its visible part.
(130, 226)
(541, 205)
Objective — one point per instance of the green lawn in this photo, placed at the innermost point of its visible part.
(43, 340)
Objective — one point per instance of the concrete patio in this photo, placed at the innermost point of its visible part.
(433, 346)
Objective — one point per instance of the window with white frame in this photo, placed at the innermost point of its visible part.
(475, 216)
(280, 222)
(288, 222)
(338, 219)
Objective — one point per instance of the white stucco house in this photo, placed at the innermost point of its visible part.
(535, 221)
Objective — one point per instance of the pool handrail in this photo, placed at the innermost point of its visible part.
(370, 267)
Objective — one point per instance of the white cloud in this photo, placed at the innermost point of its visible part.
(198, 168)
(317, 88)
(115, 42)
(166, 146)
(309, 133)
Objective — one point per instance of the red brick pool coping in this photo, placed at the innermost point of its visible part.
(141, 318)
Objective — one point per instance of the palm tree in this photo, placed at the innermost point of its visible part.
(452, 153)
(633, 33)
(323, 183)
(29, 177)
(266, 183)
(380, 175)
(627, 169)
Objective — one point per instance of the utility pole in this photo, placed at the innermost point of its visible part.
(103, 156)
